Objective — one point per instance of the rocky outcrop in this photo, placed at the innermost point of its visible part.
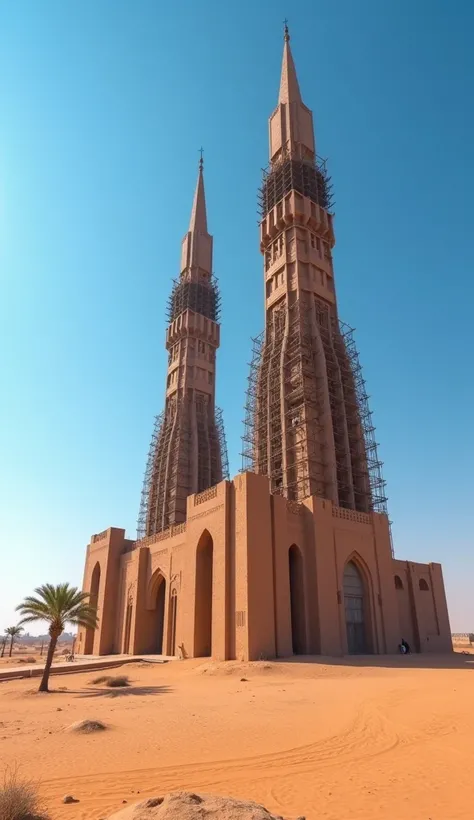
(189, 806)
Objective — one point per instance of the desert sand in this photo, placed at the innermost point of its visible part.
(389, 738)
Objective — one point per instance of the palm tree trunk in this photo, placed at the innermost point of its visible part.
(11, 646)
(3, 647)
(49, 660)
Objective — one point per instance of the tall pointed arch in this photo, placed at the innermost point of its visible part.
(356, 584)
(203, 596)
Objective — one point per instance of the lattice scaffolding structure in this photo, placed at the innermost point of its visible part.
(213, 467)
(148, 477)
(285, 404)
(285, 393)
(308, 177)
(222, 443)
(249, 454)
(374, 465)
(167, 473)
(303, 395)
(200, 297)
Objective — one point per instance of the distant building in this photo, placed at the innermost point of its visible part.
(294, 555)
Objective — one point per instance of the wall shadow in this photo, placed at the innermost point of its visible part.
(297, 600)
(455, 660)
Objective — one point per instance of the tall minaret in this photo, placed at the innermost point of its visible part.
(187, 452)
(310, 425)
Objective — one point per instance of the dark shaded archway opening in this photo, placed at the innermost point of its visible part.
(355, 610)
(128, 628)
(298, 616)
(203, 602)
(172, 623)
(93, 601)
(159, 616)
(148, 635)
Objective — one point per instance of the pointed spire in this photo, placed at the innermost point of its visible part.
(289, 88)
(291, 124)
(198, 221)
(196, 248)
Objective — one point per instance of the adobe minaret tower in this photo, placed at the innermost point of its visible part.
(187, 453)
(296, 560)
(310, 429)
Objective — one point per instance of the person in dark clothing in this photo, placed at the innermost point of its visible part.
(405, 647)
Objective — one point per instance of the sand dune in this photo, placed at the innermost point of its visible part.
(384, 738)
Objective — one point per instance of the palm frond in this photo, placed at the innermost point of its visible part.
(28, 619)
(85, 621)
(58, 605)
(34, 604)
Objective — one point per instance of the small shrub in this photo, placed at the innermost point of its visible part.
(101, 679)
(19, 798)
(31, 660)
(120, 680)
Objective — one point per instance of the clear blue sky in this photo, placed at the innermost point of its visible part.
(103, 107)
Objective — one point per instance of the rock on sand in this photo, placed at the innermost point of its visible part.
(87, 726)
(189, 806)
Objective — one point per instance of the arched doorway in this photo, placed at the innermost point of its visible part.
(93, 601)
(355, 610)
(148, 636)
(172, 623)
(298, 616)
(203, 599)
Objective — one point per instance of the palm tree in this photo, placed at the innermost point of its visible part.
(4, 643)
(12, 632)
(58, 605)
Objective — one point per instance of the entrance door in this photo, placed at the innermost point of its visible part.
(354, 610)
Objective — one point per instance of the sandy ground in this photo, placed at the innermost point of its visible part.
(389, 738)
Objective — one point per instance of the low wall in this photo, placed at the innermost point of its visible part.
(36, 672)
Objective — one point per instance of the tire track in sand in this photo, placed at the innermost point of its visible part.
(266, 777)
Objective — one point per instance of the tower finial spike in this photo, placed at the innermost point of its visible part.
(198, 214)
(286, 35)
(289, 89)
